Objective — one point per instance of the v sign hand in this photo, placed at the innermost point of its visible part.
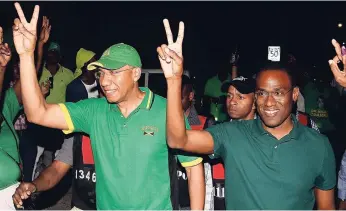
(171, 56)
(339, 75)
(24, 33)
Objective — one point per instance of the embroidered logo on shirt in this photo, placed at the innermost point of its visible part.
(149, 130)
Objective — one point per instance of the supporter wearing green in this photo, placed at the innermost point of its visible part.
(273, 162)
(127, 128)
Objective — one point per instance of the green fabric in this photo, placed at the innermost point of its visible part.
(9, 155)
(117, 56)
(61, 79)
(213, 89)
(264, 173)
(130, 154)
(315, 106)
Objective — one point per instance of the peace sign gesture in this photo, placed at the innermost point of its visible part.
(5, 52)
(339, 75)
(171, 56)
(24, 33)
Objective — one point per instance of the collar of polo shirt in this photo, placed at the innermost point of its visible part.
(259, 131)
(145, 104)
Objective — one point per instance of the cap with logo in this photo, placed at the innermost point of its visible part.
(53, 46)
(242, 84)
(116, 57)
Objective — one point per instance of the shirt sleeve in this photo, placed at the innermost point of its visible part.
(66, 152)
(11, 105)
(79, 116)
(326, 180)
(187, 160)
(219, 137)
(342, 179)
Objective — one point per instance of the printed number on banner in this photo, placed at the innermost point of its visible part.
(80, 174)
(274, 53)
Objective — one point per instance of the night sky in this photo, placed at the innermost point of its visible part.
(212, 29)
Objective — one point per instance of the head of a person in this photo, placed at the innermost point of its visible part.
(276, 92)
(187, 93)
(240, 101)
(83, 59)
(118, 71)
(53, 55)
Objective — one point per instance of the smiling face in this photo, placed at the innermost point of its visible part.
(117, 85)
(274, 97)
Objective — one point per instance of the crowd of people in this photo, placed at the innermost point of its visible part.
(268, 141)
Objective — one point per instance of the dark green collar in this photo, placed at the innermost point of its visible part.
(259, 131)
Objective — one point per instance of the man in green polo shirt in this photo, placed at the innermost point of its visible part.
(127, 127)
(272, 162)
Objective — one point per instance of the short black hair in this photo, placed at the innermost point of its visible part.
(187, 82)
(290, 71)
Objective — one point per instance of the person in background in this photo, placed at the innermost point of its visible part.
(213, 95)
(76, 152)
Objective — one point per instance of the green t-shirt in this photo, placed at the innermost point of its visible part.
(130, 154)
(315, 106)
(263, 173)
(213, 89)
(9, 155)
(61, 79)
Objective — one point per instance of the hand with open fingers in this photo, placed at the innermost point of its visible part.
(5, 54)
(339, 75)
(24, 190)
(24, 33)
(45, 86)
(171, 55)
(45, 30)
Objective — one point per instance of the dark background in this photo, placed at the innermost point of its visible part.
(212, 29)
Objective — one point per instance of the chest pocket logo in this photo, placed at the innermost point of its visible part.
(149, 130)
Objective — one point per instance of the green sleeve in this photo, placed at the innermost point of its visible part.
(187, 161)
(326, 180)
(207, 88)
(11, 105)
(218, 132)
(80, 115)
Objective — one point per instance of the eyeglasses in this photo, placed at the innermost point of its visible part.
(99, 73)
(277, 95)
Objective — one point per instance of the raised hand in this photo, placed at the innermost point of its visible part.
(24, 33)
(339, 75)
(45, 30)
(171, 55)
(5, 52)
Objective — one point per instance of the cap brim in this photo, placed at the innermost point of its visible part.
(244, 89)
(225, 86)
(106, 64)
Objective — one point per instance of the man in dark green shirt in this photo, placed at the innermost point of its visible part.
(272, 162)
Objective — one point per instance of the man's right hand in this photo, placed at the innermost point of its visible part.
(24, 33)
(171, 56)
(24, 190)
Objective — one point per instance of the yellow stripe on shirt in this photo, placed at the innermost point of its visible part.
(192, 163)
(67, 119)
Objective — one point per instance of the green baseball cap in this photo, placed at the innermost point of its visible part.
(116, 57)
(53, 46)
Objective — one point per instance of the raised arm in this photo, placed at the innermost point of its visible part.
(35, 106)
(339, 75)
(171, 60)
(44, 36)
(5, 57)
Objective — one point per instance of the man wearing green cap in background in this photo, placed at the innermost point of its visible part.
(127, 128)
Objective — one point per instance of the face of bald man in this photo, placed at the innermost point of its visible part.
(275, 97)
